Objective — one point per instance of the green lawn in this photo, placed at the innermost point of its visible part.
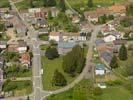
(15, 86)
(44, 46)
(84, 91)
(77, 4)
(26, 4)
(49, 67)
(81, 91)
(122, 65)
(116, 93)
(43, 37)
(4, 3)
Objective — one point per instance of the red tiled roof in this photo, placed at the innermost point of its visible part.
(25, 57)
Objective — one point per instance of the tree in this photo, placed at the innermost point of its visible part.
(110, 17)
(74, 60)
(90, 3)
(28, 98)
(58, 79)
(123, 53)
(49, 3)
(51, 53)
(102, 19)
(49, 15)
(45, 3)
(31, 4)
(62, 5)
(113, 62)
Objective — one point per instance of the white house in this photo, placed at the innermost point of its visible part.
(91, 16)
(68, 37)
(110, 38)
(99, 69)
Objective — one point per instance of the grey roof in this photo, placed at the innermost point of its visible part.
(99, 41)
(22, 29)
(100, 67)
(106, 56)
(66, 45)
(22, 43)
(41, 21)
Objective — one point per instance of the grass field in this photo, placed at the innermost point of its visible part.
(26, 4)
(83, 91)
(49, 67)
(4, 3)
(19, 87)
(77, 4)
(116, 93)
(122, 65)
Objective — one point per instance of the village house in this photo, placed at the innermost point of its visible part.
(3, 44)
(92, 16)
(25, 59)
(22, 46)
(12, 47)
(117, 10)
(21, 30)
(112, 36)
(42, 23)
(68, 37)
(107, 28)
(8, 25)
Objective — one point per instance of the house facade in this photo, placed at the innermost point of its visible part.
(69, 37)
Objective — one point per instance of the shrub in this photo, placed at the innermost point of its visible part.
(97, 91)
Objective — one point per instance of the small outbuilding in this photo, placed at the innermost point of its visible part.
(100, 69)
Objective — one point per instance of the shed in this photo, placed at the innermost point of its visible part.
(100, 69)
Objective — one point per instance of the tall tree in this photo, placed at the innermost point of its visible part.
(123, 53)
(49, 15)
(51, 53)
(58, 79)
(31, 4)
(90, 3)
(45, 3)
(113, 62)
(74, 60)
(62, 5)
(49, 3)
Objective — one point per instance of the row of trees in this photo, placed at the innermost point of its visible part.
(74, 61)
(122, 56)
